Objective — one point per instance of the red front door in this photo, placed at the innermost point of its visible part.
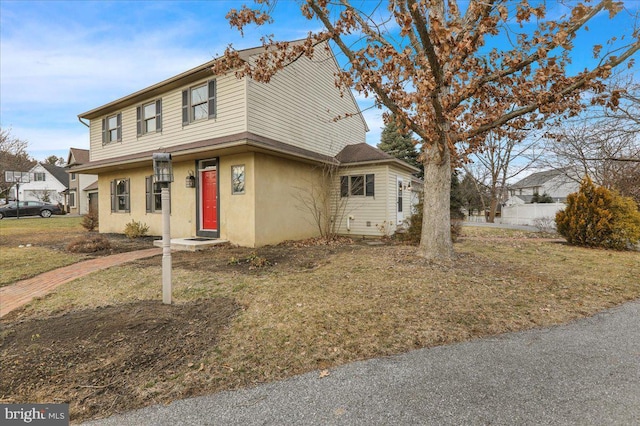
(209, 197)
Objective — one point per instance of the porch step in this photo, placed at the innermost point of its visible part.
(191, 244)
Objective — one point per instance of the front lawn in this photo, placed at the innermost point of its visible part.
(106, 344)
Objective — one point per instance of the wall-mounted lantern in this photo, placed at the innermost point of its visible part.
(190, 181)
(162, 169)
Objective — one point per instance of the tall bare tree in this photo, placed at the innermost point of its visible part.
(503, 158)
(448, 74)
(604, 143)
(13, 157)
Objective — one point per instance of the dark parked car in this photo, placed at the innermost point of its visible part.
(30, 208)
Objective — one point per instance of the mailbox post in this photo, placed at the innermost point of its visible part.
(163, 173)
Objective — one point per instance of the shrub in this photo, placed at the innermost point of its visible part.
(546, 225)
(90, 220)
(598, 217)
(542, 199)
(413, 232)
(135, 229)
(89, 244)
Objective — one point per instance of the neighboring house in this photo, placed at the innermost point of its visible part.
(555, 183)
(520, 209)
(245, 155)
(83, 188)
(47, 183)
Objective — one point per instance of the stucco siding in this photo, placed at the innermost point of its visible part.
(280, 214)
(238, 211)
(183, 203)
(230, 119)
(298, 106)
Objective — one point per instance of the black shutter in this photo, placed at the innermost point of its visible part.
(104, 131)
(212, 99)
(185, 107)
(119, 120)
(127, 197)
(370, 186)
(148, 192)
(344, 186)
(113, 196)
(159, 115)
(139, 120)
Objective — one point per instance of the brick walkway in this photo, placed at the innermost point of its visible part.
(22, 292)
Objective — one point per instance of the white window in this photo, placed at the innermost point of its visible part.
(112, 128)
(199, 102)
(153, 194)
(120, 195)
(237, 179)
(149, 117)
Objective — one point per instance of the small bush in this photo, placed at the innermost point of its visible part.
(546, 225)
(413, 231)
(89, 244)
(90, 220)
(135, 229)
(597, 217)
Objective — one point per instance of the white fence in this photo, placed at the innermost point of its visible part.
(526, 214)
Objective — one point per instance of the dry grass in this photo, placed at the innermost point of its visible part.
(309, 308)
(31, 246)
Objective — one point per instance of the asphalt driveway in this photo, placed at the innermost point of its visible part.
(583, 373)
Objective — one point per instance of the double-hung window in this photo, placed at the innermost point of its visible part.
(112, 128)
(149, 117)
(199, 102)
(120, 196)
(153, 194)
(357, 185)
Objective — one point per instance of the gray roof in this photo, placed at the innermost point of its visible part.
(363, 153)
(538, 179)
(59, 173)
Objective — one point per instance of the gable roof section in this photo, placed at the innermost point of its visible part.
(180, 80)
(77, 156)
(57, 172)
(363, 153)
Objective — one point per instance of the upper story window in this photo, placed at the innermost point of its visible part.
(112, 128)
(73, 176)
(199, 102)
(39, 177)
(149, 117)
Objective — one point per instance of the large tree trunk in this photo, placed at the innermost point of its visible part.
(435, 241)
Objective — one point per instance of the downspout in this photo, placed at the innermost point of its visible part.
(80, 120)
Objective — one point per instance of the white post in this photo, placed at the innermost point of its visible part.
(166, 246)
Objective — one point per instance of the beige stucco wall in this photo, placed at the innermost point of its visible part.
(183, 202)
(237, 211)
(280, 214)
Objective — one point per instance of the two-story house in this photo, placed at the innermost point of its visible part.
(246, 156)
(83, 189)
(557, 184)
(47, 183)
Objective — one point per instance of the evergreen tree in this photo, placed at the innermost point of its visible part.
(597, 217)
(400, 145)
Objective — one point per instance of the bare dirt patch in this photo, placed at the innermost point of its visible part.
(114, 357)
(247, 316)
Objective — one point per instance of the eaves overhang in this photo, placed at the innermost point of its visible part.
(227, 145)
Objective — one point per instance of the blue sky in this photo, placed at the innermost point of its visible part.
(61, 58)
